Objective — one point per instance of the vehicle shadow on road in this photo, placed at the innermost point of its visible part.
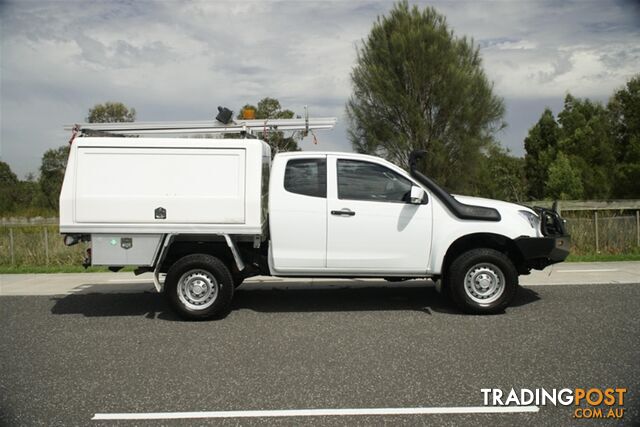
(390, 298)
(148, 304)
(523, 297)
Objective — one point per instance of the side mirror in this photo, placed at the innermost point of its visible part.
(417, 195)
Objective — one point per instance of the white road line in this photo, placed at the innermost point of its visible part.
(587, 271)
(318, 412)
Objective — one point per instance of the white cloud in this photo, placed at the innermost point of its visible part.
(517, 45)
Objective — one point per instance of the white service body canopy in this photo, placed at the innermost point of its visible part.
(165, 185)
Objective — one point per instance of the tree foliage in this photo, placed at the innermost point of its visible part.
(54, 163)
(502, 177)
(270, 108)
(563, 181)
(418, 86)
(586, 137)
(600, 144)
(624, 109)
(111, 112)
(19, 196)
(541, 145)
(8, 187)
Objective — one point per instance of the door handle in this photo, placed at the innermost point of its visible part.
(343, 212)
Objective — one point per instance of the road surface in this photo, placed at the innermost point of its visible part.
(78, 348)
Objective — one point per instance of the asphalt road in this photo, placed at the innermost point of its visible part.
(64, 358)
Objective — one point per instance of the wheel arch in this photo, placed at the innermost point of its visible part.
(182, 246)
(494, 241)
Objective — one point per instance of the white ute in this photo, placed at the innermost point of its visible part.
(206, 213)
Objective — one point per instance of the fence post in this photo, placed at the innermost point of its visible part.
(638, 228)
(595, 216)
(46, 246)
(13, 259)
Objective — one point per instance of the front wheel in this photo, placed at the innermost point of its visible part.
(482, 281)
(199, 287)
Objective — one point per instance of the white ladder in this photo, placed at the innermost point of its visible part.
(206, 126)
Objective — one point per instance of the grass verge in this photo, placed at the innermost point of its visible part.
(635, 256)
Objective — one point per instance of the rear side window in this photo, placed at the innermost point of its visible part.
(307, 177)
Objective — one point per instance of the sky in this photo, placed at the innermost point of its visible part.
(179, 60)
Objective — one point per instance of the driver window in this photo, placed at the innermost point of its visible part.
(358, 180)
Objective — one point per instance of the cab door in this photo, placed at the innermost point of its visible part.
(371, 225)
(298, 213)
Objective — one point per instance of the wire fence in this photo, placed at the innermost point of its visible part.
(601, 230)
(36, 245)
(600, 226)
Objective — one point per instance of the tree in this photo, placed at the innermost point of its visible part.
(417, 86)
(8, 188)
(270, 108)
(503, 176)
(586, 137)
(583, 135)
(624, 114)
(541, 146)
(54, 163)
(564, 181)
(111, 112)
(30, 197)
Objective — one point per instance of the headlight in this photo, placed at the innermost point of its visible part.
(532, 219)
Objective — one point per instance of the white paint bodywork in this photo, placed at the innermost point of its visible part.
(173, 178)
(219, 186)
(379, 237)
(450, 228)
(382, 239)
(114, 185)
(297, 223)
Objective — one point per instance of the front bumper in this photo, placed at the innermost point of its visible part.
(539, 252)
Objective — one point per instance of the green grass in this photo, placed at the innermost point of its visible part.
(634, 256)
(31, 213)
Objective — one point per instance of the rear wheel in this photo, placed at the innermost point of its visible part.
(482, 281)
(199, 287)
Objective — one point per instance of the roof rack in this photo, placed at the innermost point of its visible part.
(206, 127)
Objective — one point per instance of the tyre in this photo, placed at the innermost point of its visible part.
(199, 287)
(482, 281)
